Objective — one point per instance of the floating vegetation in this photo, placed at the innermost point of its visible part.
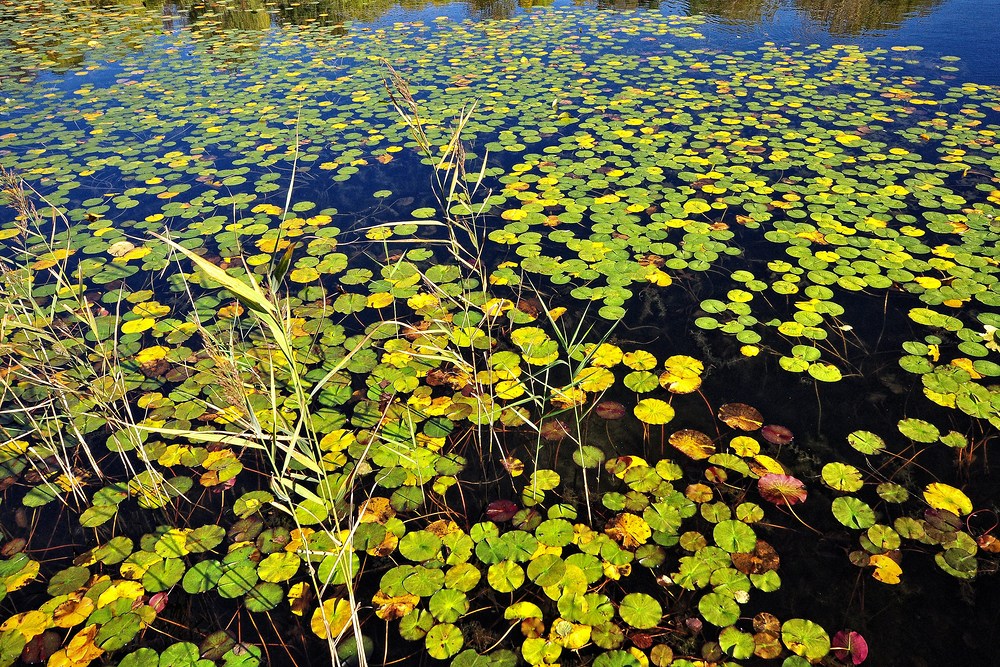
(275, 393)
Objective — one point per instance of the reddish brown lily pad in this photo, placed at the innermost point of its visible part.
(777, 435)
(781, 489)
(500, 511)
(554, 430)
(850, 646)
(762, 559)
(741, 416)
(610, 410)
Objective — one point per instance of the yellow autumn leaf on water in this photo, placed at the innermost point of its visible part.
(138, 325)
(30, 623)
(513, 465)
(27, 573)
(606, 355)
(304, 275)
(640, 360)
(692, 442)
(621, 465)
(389, 607)
(299, 539)
(134, 253)
(629, 530)
(385, 547)
(269, 209)
(379, 300)
(151, 309)
(173, 543)
(763, 464)
(944, 497)
(966, 365)
(927, 282)
(73, 611)
(376, 510)
(569, 635)
(522, 610)
(378, 233)
(847, 138)
(298, 597)
(271, 245)
(151, 354)
(423, 300)
(337, 440)
(131, 590)
(653, 411)
(568, 397)
(886, 569)
(744, 445)
(616, 572)
(556, 313)
(337, 613)
(80, 651)
(595, 379)
(219, 459)
(510, 389)
(696, 206)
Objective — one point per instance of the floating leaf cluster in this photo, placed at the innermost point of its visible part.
(281, 399)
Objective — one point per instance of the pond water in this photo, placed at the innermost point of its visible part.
(483, 233)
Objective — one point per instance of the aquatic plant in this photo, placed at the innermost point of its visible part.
(438, 421)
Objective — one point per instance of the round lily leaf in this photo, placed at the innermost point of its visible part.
(279, 566)
(853, 513)
(866, 442)
(202, 576)
(842, 477)
(67, 580)
(734, 536)
(448, 605)
(443, 641)
(944, 497)
(918, 430)
(182, 654)
(740, 645)
(162, 575)
(719, 609)
(805, 638)
(653, 411)
(824, 372)
(640, 611)
(144, 657)
(420, 545)
(237, 579)
(741, 416)
(547, 569)
(264, 596)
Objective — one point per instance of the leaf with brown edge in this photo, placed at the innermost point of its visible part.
(391, 608)
(629, 530)
(741, 416)
(331, 618)
(762, 559)
(693, 443)
(781, 489)
(887, 570)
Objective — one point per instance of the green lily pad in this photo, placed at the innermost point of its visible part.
(805, 638)
(640, 611)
